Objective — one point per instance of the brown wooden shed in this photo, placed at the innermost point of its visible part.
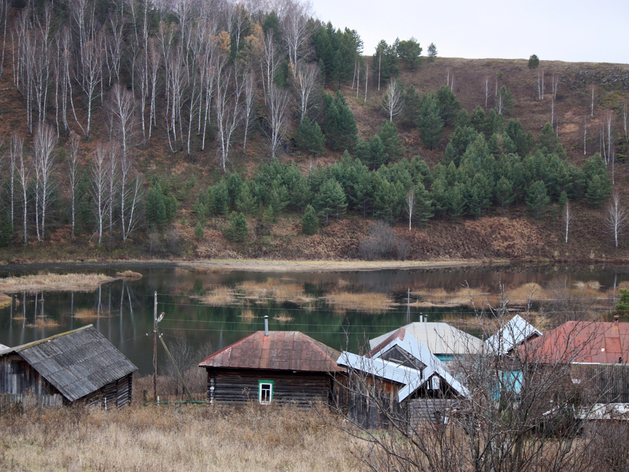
(76, 366)
(276, 367)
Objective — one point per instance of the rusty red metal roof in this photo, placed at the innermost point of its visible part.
(280, 350)
(397, 334)
(581, 341)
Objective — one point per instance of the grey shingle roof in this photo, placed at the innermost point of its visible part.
(76, 363)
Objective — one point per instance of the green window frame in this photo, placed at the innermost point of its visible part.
(265, 391)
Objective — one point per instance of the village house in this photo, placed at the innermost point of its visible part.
(273, 367)
(400, 381)
(597, 353)
(68, 368)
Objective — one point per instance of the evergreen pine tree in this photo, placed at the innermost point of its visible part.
(310, 221)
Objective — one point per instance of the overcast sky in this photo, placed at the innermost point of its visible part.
(565, 30)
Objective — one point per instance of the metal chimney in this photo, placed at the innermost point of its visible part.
(266, 325)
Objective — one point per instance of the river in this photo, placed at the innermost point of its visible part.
(342, 310)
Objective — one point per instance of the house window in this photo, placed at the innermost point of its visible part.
(265, 391)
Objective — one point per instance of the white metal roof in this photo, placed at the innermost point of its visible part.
(439, 338)
(515, 332)
(411, 378)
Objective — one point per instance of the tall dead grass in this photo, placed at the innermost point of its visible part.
(275, 290)
(221, 296)
(53, 283)
(166, 438)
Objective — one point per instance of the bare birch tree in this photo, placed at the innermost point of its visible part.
(305, 82)
(277, 103)
(540, 84)
(122, 108)
(392, 101)
(98, 191)
(154, 63)
(410, 206)
(249, 88)
(295, 30)
(554, 85)
(73, 175)
(43, 145)
(91, 75)
(131, 193)
(23, 172)
(228, 109)
(567, 218)
(617, 218)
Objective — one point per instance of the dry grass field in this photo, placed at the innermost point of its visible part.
(185, 438)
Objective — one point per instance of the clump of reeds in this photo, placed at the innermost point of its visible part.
(480, 299)
(44, 323)
(283, 317)
(273, 290)
(129, 275)
(86, 313)
(247, 315)
(5, 300)
(526, 293)
(365, 302)
(221, 296)
(53, 283)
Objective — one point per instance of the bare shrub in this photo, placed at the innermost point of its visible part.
(382, 243)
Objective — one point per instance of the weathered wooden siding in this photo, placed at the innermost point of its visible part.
(605, 383)
(19, 382)
(429, 410)
(235, 386)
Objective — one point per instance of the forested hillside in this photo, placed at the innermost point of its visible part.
(223, 129)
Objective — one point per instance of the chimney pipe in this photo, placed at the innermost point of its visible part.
(266, 325)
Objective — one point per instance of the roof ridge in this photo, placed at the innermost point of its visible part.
(21, 347)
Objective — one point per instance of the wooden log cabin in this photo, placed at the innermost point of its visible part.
(72, 367)
(273, 367)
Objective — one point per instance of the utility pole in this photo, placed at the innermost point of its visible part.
(155, 345)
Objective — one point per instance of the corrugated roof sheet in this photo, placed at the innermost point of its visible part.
(440, 338)
(581, 341)
(76, 363)
(280, 350)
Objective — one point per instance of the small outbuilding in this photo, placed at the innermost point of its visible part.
(273, 367)
(72, 367)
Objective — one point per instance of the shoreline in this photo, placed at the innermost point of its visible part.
(261, 265)
(290, 266)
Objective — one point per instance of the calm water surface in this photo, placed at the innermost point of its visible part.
(123, 310)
